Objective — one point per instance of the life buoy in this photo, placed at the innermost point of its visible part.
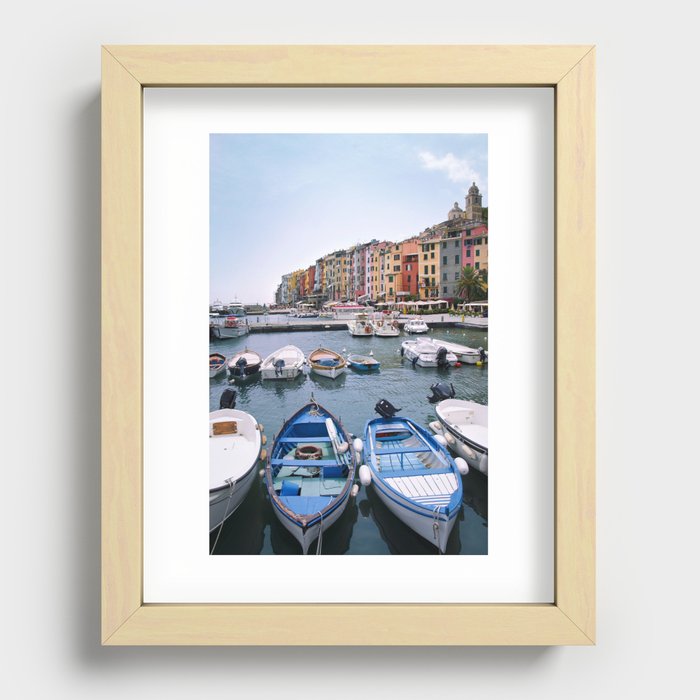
(308, 452)
(368, 328)
(231, 323)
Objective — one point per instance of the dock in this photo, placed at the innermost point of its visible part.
(325, 325)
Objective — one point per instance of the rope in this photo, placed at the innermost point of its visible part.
(221, 527)
(436, 527)
(319, 541)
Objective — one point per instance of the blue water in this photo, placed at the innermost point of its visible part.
(366, 526)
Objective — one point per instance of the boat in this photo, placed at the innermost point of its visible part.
(285, 363)
(386, 325)
(327, 363)
(309, 473)
(347, 310)
(425, 353)
(360, 325)
(413, 475)
(229, 326)
(217, 364)
(363, 363)
(470, 356)
(415, 325)
(244, 366)
(465, 426)
(235, 445)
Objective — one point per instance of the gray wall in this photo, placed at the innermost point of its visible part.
(648, 467)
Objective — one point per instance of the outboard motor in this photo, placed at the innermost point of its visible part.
(441, 391)
(441, 357)
(385, 409)
(278, 365)
(228, 399)
(241, 364)
(482, 354)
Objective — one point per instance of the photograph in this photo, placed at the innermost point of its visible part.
(348, 343)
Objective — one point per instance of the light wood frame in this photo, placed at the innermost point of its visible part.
(126, 70)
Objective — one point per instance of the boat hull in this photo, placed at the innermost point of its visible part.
(287, 373)
(423, 359)
(421, 520)
(329, 372)
(223, 503)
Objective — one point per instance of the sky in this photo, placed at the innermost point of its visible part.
(278, 202)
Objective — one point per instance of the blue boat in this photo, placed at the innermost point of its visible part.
(309, 473)
(363, 363)
(414, 476)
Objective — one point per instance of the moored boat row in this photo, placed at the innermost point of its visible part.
(310, 472)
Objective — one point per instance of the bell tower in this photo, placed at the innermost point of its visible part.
(472, 201)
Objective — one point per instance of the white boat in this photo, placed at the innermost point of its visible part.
(348, 310)
(217, 364)
(425, 353)
(327, 363)
(230, 326)
(235, 444)
(360, 325)
(244, 366)
(285, 363)
(386, 326)
(414, 476)
(309, 474)
(465, 425)
(415, 325)
(470, 356)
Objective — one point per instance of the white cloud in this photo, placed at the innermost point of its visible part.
(456, 169)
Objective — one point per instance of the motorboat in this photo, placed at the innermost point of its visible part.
(414, 476)
(465, 428)
(363, 363)
(235, 445)
(386, 326)
(425, 353)
(244, 366)
(415, 325)
(360, 326)
(327, 363)
(217, 364)
(285, 363)
(465, 354)
(229, 326)
(310, 473)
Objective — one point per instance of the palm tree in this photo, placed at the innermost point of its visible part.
(472, 285)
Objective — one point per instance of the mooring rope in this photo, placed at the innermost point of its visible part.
(436, 527)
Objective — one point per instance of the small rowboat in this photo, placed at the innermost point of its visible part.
(327, 363)
(217, 364)
(309, 474)
(235, 443)
(363, 363)
(285, 363)
(244, 366)
(414, 476)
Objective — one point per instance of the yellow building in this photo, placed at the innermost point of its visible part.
(429, 268)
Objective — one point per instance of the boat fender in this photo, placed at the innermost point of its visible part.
(263, 440)
(263, 455)
(462, 466)
(365, 475)
(449, 438)
(354, 490)
(343, 448)
(440, 439)
(357, 444)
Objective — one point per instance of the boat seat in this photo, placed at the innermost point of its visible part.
(304, 505)
(304, 439)
(290, 488)
(277, 462)
(401, 450)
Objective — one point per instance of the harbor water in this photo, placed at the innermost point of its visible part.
(366, 526)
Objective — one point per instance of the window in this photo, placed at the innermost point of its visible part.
(469, 252)
(478, 252)
(391, 278)
(456, 275)
(408, 279)
(444, 245)
(444, 260)
(456, 259)
(444, 277)
(397, 268)
(391, 291)
(408, 267)
(476, 266)
(432, 256)
(432, 269)
(425, 256)
(397, 257)
(425, 270)
(456, 244)
(432, 246)
(444, 290)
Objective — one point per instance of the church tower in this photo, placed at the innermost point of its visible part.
(472, 208)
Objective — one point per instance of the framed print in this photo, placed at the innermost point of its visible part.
(258, 172)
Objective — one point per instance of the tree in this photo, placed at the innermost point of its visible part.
(472, 285)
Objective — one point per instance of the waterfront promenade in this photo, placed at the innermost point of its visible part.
(275, 323)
